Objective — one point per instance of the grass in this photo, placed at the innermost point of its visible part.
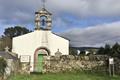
(65, 76)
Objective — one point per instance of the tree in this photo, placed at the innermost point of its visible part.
(107, 49)
(82, 53)
(73, 51)
(101, 51)
(116, 47)
(113, 51)
(116, 50)
(9, 33)
(4, 42)
(15, 31)
(3, 65)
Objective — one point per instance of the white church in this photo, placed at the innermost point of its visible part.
(41, 42)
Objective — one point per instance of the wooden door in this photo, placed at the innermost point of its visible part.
(40, 63)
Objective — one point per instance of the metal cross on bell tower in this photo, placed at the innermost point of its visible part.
(43, 3)
(43, 18)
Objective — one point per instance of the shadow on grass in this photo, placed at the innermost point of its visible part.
(36, 73)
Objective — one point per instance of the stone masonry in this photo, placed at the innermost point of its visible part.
(63, 63)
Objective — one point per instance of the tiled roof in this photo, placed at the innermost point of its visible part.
(7, 55)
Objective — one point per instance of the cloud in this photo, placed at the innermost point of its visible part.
(24, 9)
(14, 12)
(87, 7)
(95, 36)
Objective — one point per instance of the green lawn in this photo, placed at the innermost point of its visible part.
(66, 76)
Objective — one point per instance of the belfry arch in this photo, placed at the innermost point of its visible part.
(39, 21)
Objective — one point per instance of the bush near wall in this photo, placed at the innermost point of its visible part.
(3, 65)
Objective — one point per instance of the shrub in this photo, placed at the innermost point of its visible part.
(3, 65)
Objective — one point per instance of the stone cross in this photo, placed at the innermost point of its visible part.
(58, 53)
(7, 49)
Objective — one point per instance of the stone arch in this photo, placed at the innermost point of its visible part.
(42, 48)
(36, 55)
(46, 14)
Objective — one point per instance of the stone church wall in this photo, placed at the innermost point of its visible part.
(65, 63)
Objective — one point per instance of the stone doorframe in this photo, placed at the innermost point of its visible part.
(36, 55)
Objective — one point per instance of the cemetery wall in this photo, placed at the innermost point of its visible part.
(65, 63)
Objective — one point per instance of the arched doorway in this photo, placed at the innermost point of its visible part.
(38, 58)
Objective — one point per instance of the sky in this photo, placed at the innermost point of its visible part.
(86, 23)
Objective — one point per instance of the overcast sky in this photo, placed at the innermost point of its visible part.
(84, 22)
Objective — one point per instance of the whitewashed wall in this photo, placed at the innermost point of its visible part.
(28, 43)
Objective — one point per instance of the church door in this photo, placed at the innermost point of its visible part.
(39, 56)
(40, 63)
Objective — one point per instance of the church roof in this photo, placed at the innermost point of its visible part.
(61, 36)
(43, 11)
(41, 30)
(7, 55)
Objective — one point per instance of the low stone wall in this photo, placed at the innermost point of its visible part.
(25, 68)
(63, 63)
(117, 65)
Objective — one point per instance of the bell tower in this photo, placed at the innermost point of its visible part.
(43, 19)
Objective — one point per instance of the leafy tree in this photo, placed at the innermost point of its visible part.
(116, 50)
(113, 51)
(3, 65)
(15, 31)
(4, 42)
(116, 47)
(107, 49)
(73, 51)
(9, 33)
(82, 52)
(101, 51)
